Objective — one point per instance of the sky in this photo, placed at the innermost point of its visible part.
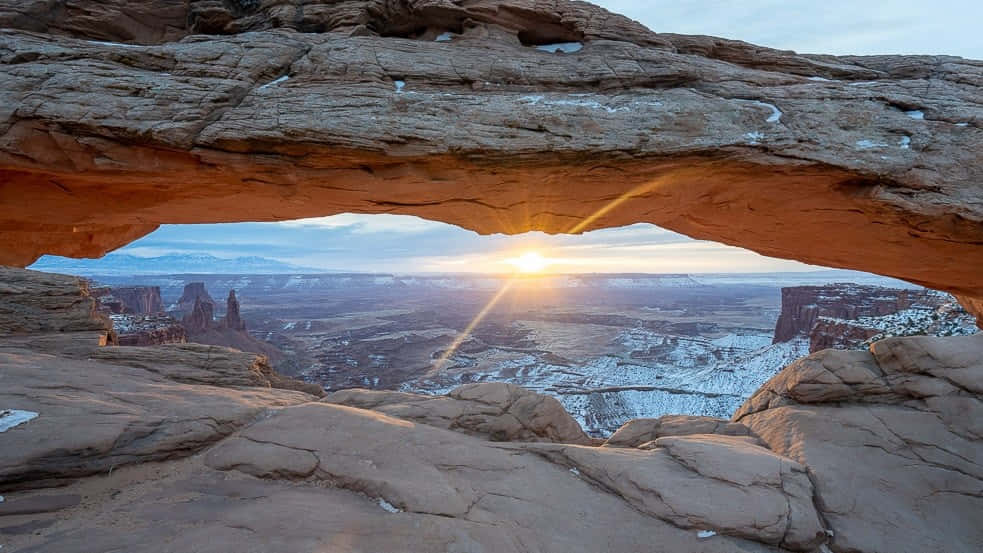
(407, 244)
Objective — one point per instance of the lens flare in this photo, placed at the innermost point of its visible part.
(474, 323)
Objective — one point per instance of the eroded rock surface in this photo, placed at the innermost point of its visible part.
(32, 302)
(497, 411)
(639, 431)
(204, 364)
(890, 438)
(693, 481)
(420, 469)
(858, 452)
(94, 416)
(115, 121)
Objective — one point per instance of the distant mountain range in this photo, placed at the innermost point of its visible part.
(123, 264)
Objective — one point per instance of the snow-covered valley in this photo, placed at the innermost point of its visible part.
(610, 347)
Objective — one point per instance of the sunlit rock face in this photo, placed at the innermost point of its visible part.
(499, 116)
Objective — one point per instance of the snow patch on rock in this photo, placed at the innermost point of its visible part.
(869, 144)
(389, 507)
(444, 37)
(10, 418)
(754, 137)
(776, 114)
(565, 47)
(274, 82)
(916, 114)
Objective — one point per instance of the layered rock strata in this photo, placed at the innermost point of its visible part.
(148, 330)
(524, 115)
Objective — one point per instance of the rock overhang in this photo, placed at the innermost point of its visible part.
(816, 158)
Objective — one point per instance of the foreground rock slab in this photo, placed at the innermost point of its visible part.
(92, 417)
(498, 411)
(115, 121)
(424, 470)
(892, 440)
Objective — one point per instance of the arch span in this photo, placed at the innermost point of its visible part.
(115, 122)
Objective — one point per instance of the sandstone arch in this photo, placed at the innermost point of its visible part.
(120, 116)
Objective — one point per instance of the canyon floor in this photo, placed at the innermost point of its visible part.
(610, 347)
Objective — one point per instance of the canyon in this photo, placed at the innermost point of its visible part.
(245, 450)
(498, 116)
(610, 348)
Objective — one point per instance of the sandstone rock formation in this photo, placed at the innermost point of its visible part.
(891, 439)
(232, 319)
(204, 364)
(802, 306)
(494, 410)
(201, 317)
(193, 292)
(148, 330)
(850, 316)
(304, 479)
(117, 415)
(139, 300)
(230, 331)
(33, 302)
(637, 432)
(112, 125)
(858, 452)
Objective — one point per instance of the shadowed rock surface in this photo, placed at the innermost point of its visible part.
(115, 121)
(497, 411)
(201, 318)
(891, 439)
(639, 431)
(139, 300)
(233, 320)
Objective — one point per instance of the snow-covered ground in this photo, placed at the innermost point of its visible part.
(651, 375)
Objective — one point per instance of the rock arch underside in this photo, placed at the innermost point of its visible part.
(498, 116)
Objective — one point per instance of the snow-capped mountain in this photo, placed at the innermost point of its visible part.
(118, 264)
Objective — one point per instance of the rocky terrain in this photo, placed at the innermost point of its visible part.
(98, 444)
(609, 347)
(198, 310)
(850, 316)
(137, 315)
(116, 121)
(500, 116)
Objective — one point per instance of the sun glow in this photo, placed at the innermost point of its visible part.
(530, 262)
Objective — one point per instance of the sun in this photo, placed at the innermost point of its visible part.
(530, 262)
